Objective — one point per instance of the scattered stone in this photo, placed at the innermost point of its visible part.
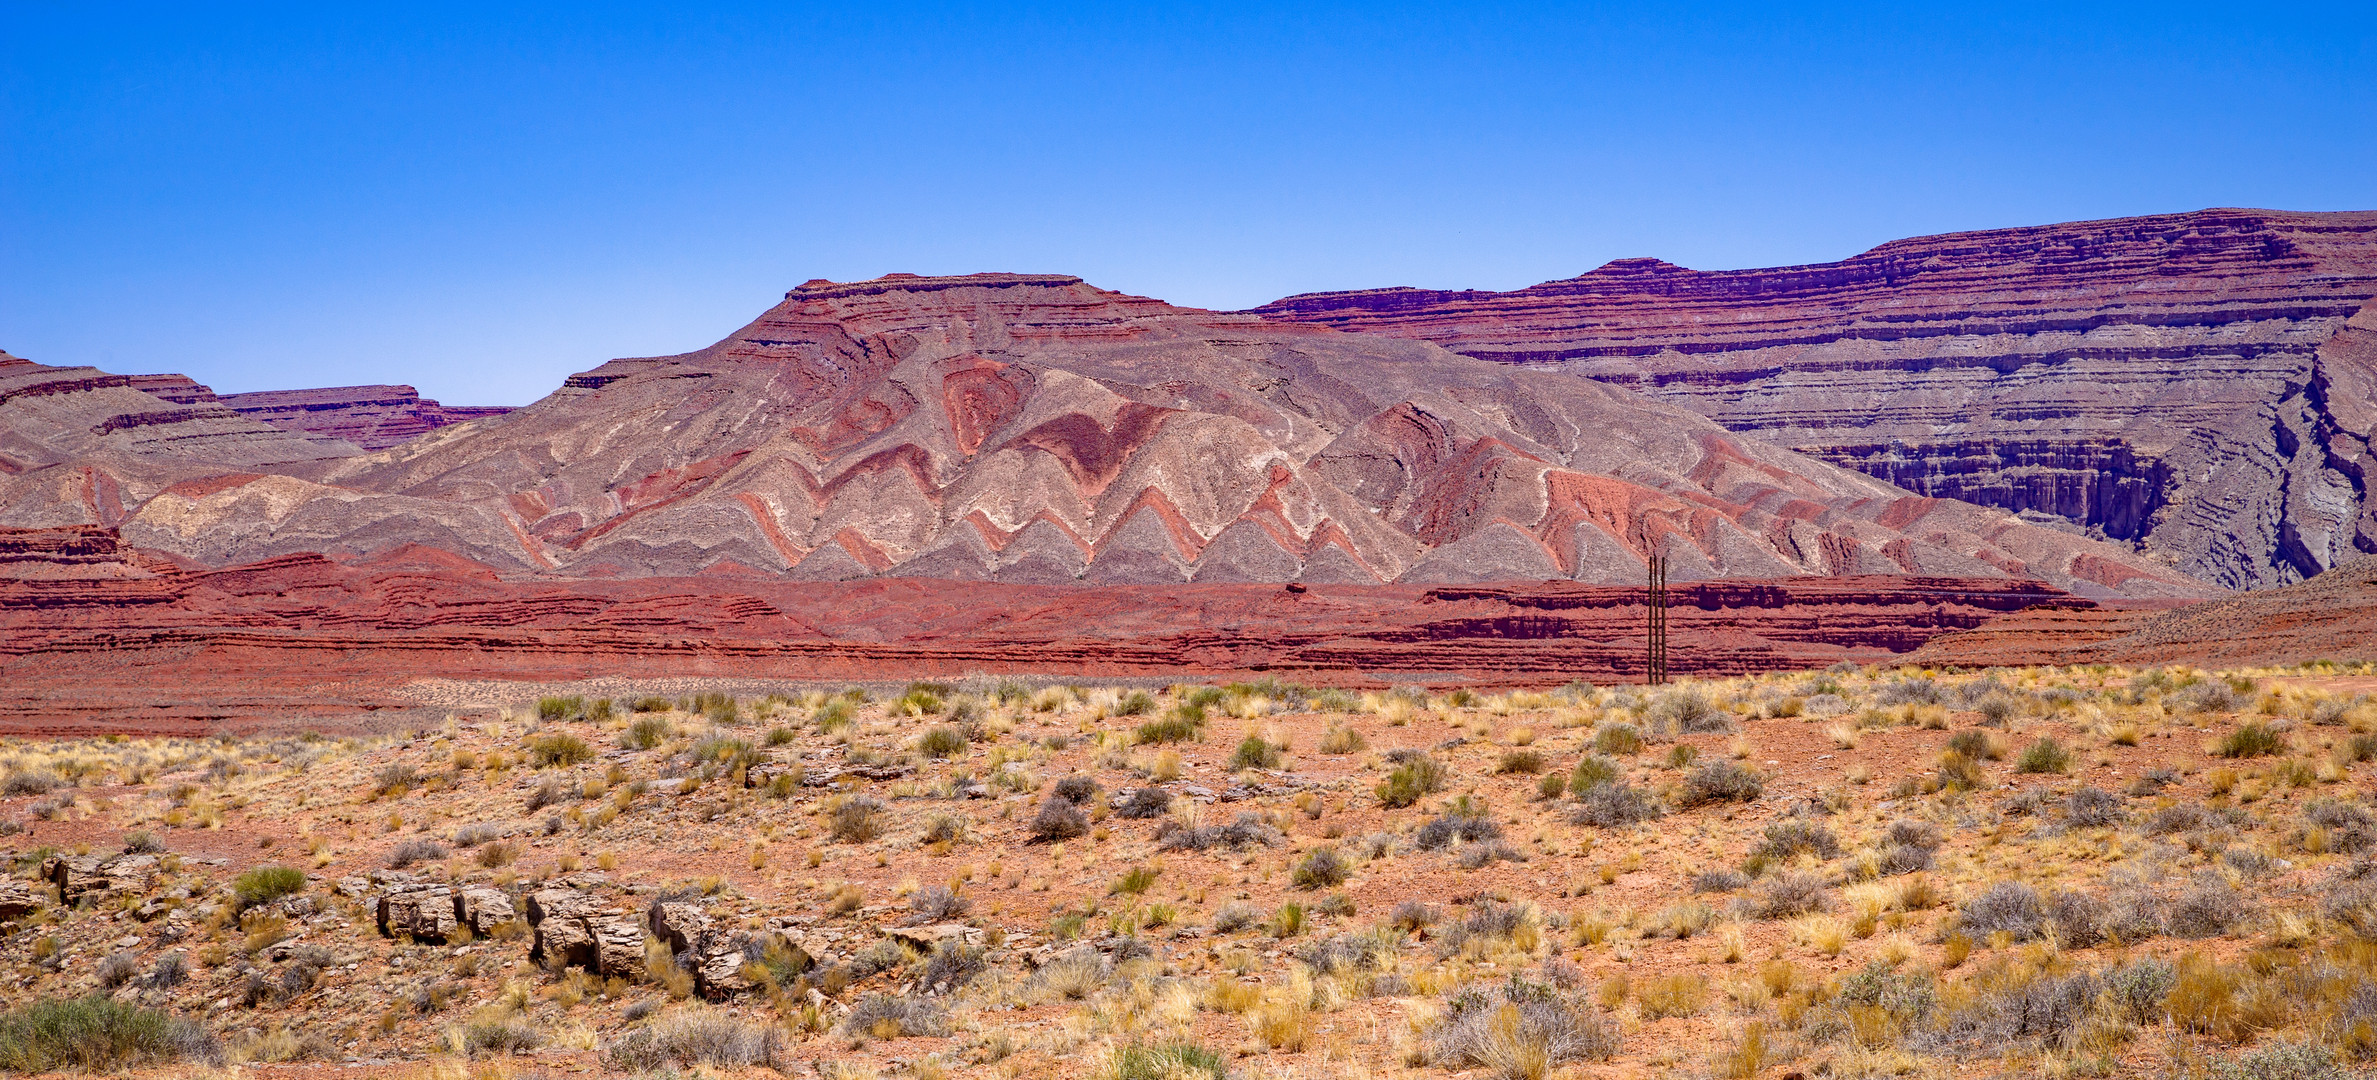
(17, 900)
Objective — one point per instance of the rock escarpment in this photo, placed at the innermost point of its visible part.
(2203, 384)
(80, 446)
(371, 417)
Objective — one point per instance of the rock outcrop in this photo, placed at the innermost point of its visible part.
(717, 958)
(419, 910)
(483, 908)
(574, 929)
(92, 878)
(2204, 384)
(17, 900)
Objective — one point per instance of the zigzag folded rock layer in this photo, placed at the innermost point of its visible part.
(1029, 430)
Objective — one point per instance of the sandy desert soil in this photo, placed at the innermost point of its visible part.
(1850, 872)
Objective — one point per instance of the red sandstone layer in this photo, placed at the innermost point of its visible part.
(94, 638)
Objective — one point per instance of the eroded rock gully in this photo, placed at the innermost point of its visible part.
(2202, 382)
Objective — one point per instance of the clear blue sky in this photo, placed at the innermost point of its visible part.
(481, 203)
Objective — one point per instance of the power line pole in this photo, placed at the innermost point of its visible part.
(1655, 650)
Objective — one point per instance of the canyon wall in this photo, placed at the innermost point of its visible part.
(2202, 385)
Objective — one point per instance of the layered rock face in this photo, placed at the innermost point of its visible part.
(371, 417)
(1034, 429)
(83, 446)
(2201, 384)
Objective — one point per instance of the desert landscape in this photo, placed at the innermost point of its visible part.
(1854, 871)
(1000, 676)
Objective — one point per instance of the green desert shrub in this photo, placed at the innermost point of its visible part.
(885, 1016)
(1614, 804)
(1412, 779)
(942, 741)
(646, 733)
(1183, 725)
(266, 884)
(1322, 869)
(1343, 740)
(1518, 1031)
(1592, 772)
(560, 708)
(2044, 756)
(1254, 753)
(96, 1034)
(698, 1037)
(2251, 740)
(1721, 781)
(558, 748)
(1167, 1061)
(1136, 703)
(1618, 739)
(1520, 760)
(857, 820)
(1058, 819)
(1687, 711)
(833, 716)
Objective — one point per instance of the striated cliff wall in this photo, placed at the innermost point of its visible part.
(2201, 384)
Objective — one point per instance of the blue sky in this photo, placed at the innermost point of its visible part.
(480, 202)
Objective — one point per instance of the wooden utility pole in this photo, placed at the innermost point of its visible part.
(1655, 644)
